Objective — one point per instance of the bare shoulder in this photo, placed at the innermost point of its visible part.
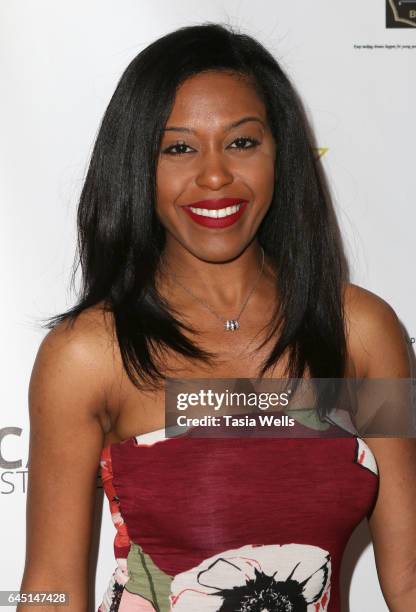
(92, 329)
(376, 337)
(379, 343)
(78, 357)
(366, 308)
(68, 389)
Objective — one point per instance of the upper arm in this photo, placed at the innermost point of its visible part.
(67, 394)
(383, 353)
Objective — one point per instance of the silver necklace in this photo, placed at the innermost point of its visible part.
(229, 324)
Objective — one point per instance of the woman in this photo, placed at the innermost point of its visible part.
(208, 249)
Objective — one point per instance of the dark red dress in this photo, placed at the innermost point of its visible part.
(233, 524)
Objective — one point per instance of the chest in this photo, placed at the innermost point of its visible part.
(236, 354)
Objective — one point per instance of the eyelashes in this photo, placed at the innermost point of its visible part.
(253, 142)
(170, 150)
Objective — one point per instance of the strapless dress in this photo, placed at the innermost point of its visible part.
(244, 524)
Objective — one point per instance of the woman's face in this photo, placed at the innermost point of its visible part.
(217, 155)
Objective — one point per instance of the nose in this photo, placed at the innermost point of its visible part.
(213, 171)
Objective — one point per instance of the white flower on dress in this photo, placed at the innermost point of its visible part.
(269, 578)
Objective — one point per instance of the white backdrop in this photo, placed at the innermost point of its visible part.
(59, 64)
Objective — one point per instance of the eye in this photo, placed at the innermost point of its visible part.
(253, 142)
(178, 145)
(179, 148)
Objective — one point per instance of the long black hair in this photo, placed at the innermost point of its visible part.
(120, 239)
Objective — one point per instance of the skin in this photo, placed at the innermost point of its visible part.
(216, 161)
(80, 398)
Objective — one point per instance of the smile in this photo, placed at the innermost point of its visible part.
(216, 217)
(218, 213)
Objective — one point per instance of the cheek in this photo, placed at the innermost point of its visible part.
(170, 184)
(260, 177)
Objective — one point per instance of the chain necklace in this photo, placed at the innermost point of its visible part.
(229, 324)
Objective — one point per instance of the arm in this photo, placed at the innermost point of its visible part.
(66, 406)
(381, 350)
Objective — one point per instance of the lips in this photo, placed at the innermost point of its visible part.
(216, 213)
(216, 204)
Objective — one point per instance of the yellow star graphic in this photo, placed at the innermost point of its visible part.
(320, 151)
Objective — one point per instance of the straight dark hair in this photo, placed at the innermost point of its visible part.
(120, 239)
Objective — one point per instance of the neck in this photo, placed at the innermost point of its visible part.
(224, 285)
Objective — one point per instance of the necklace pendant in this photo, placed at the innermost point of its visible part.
(231, 325)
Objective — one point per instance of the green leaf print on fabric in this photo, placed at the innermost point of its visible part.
(307, 417)
(147, 580)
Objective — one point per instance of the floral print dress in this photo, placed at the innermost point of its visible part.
(233, 524)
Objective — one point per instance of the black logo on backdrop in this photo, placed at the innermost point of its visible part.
(400, 13)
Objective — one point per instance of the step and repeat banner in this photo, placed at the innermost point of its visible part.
(352, 64)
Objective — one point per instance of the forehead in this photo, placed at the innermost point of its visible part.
(214, 98)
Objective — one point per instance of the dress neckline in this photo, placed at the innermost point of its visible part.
(145, 439)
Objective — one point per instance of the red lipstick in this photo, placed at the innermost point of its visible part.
(228, 217)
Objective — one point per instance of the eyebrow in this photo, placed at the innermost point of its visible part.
(227, 127)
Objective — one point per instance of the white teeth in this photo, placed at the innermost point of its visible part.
(216, 214)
